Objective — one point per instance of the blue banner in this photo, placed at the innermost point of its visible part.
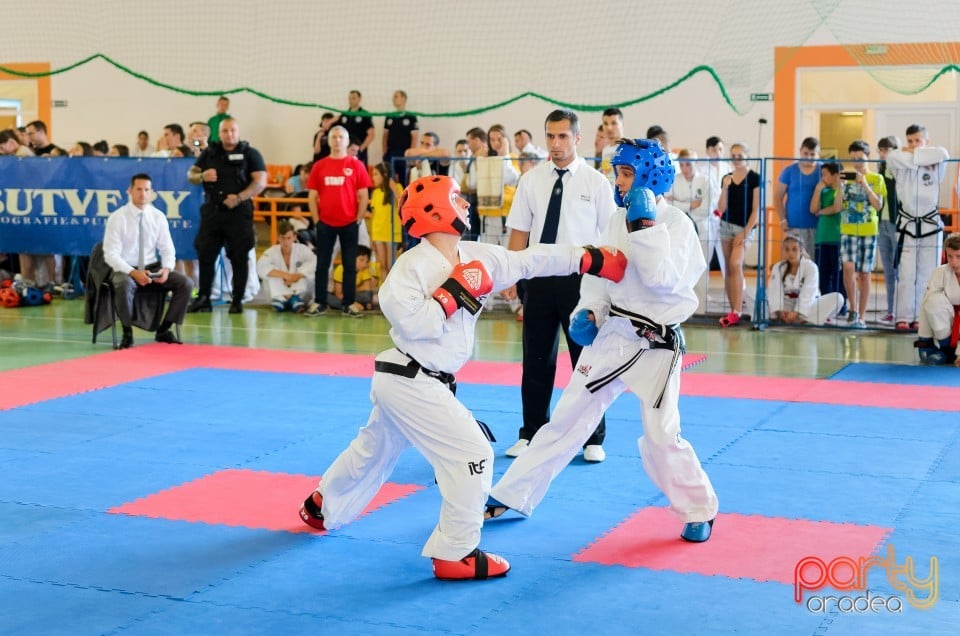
(60, 205)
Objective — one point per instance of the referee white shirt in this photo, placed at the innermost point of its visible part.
(585, 210)
(121, 245)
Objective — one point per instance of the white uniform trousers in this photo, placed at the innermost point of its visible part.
(280, 290)
(920, 256)
(424, 413)
(669, 460)
(826, 307)
(936, 317)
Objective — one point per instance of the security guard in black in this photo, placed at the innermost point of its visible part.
(232, 173)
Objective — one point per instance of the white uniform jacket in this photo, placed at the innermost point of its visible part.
(302, 260)
(803, 296)
(664, 263)
(419, 326)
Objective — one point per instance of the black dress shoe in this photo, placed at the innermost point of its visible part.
(236, 307)
(126, 341)
(167, 336)
(200, 303)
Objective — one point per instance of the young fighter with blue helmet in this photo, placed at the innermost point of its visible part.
(630, 331)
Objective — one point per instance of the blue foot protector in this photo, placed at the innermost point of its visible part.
(697, 532)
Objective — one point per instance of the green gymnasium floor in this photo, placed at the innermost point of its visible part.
(35, 335)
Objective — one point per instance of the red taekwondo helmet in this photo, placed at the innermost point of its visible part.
(429, 205)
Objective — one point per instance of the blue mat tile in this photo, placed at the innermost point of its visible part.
(898, 374)
(829, 419)
(836, 454)
(40, 608)
(372, 583)
(212, 618)
(21, 520)
(934, 505)
(710, 605)
(922, 545)
(814, 495)
(143, 556)
(92, 483)
(948, 468)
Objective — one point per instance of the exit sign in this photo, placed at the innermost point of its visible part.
(761, 97)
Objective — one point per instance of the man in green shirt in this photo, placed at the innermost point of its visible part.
(223, 104)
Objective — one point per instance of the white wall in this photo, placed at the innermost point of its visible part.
(105, 103)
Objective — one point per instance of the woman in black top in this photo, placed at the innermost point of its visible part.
(739, 208)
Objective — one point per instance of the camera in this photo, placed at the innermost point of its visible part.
(196, 142)
(849, 175)
(154, 275)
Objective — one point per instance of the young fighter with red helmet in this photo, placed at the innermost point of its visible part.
(432, 299)
(630, 331)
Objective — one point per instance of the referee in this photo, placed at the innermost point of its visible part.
(562, 201)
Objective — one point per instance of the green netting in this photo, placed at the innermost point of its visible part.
(461, 59)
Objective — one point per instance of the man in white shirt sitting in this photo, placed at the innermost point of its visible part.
(135, 234)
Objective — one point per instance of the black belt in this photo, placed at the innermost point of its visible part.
(412, 368)
(659, 337)
(904, 229)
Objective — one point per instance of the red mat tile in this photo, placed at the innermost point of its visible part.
(742, 546)
(69, 377)
(246, 498)
(58, 379)
(897, 396)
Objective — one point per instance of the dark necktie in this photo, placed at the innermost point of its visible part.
(552, 222)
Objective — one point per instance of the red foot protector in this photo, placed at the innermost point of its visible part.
(741, 546)
(246, 498)
(477, 565)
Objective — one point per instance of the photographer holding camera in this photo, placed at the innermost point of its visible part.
(198, 136)
(232, 173)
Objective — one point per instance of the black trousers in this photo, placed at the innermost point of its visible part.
(546, 311)
(327, 236)
(233, 229)
(125, 288)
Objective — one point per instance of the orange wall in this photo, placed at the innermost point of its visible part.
(43, 87)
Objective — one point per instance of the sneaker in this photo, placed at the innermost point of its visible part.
(594, 453)
(517, 449)
(730, 319)
(315, 309)
(852, 317)
(887, 318)
(476, 565)
(351, 311)
(859, 324)
(279, 304)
